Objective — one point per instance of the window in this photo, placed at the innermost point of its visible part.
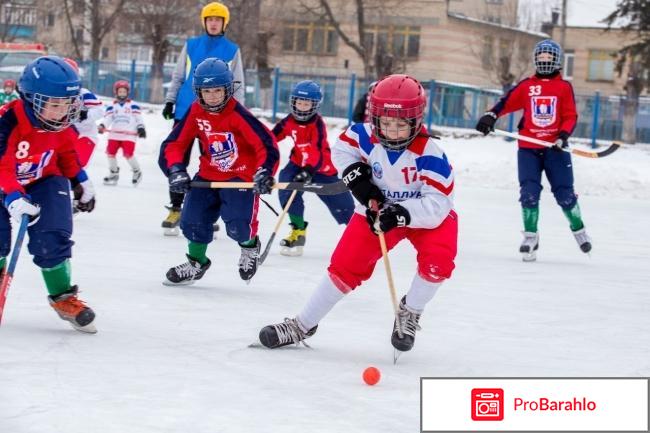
(78, 6)
(493, 19)
(401, 41)
(19, 14)
(104, 52)
(139, 53)
(601, 65)
(79, 36)
(310, 38)
(50, 20)
(568, 65)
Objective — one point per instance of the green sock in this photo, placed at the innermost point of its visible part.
(249, 243)
(297, 221)
(531, 216)
(574, 217)
(3, 262)
(57, 279)
(197, 250)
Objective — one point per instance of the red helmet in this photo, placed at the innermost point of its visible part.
(121, 84)
(9, 83)
(398, 96)
(72, 63)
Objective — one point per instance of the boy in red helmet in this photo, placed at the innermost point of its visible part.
(9, 93)
(124, 119)
(404, 186)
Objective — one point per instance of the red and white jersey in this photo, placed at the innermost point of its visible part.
(549, 108)
(123, 118)
(419, 177)
(88, 127)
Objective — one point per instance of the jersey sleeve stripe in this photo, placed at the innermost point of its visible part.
(435, 164)
(446, 190)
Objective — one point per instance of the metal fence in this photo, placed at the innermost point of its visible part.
(449, 104)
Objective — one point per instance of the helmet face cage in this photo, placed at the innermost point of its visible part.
(547, 67)
(41, 102)
(304, 115)
(230, 90)
(413, 116)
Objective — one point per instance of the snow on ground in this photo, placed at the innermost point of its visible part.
(175, 359)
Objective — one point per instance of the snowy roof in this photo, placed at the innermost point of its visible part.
(501, 26)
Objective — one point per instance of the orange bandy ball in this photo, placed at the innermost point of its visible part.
(371, 375)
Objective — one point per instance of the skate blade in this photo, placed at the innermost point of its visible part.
(396, 355)
(182, 283)
(529, 257)
(110, 183)
(291, 252)
(173, 231)
(88, 329)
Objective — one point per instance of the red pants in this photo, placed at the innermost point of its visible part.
(358, 250)
(128, 147)
(84, 147)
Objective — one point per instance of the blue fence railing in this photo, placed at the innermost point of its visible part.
(449, 104)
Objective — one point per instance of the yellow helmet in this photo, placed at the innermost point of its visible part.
(215, 9)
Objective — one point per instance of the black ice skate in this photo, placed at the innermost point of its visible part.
(249, 260)
(71, 309)
(186, 273)
(293, 244)
(137, 177)
(285, 333)
(404, 337)
(583, 240)
(112, 177)
(170, 224)
(529, 246)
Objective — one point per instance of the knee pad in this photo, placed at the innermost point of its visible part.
(565, 197)
(342, 215)
(529, 193)
(203, 233)
(436, 273)
(50, 248)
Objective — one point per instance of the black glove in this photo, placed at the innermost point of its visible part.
(179, 180)
(486, 123)
(141, 132)
(358, 178)
(168, 111)
(83, 114)
(562, 141)
(263, 181)
(390, 216)
(304, 175)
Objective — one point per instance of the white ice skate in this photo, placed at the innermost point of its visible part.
(529, 246)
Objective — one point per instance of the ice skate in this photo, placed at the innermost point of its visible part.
(249, 260)
(529, 246)
(186, 273)
(285, 333)
(170, 224)
(403, 337)
(73, 310)
(137, 177)
(583, 240)
(293, 244)
(112, 177)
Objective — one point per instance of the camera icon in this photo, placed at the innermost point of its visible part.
(487, 404)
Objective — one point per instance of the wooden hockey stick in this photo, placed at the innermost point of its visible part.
(318, 188)
(587, 154)
(8, 275)
(277, 226)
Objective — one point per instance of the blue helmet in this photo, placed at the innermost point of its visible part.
(547, 67)
(309, 91)
(209, 74)
(49, 84)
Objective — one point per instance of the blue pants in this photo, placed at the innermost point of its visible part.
(203, 207)
(49, 237)
(559, 172)
(341, 206)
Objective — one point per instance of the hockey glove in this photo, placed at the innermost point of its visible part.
(486, 123)
(168, 111)
(263, 181)
(141, 132)
(304, 175)
(83, 192)
(179, 180)
(83, 114)
(562, 141)
(390, 216)
(101, 128)
(358, 178)
(19, 204)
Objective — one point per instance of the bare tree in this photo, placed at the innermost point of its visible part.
(244, 28)
(71, 28)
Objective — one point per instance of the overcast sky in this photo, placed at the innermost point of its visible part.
(581, 13)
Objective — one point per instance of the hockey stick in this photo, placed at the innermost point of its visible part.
(9, 272)
(277, 226)
(121, 132)
(318, 188)
(389, 272)
(587, 154)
